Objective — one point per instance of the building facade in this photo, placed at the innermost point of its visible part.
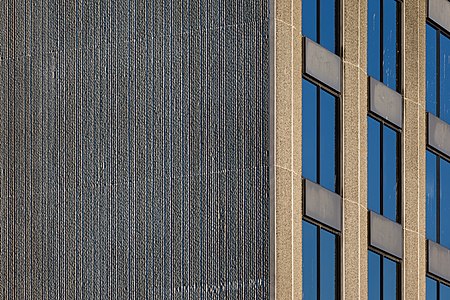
(225, 149)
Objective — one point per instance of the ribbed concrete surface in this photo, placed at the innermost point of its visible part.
(134, 149)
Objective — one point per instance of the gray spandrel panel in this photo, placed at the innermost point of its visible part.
(139, 165)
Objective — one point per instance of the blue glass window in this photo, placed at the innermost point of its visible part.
(320, 22)
(319, 256)
(438, 72)
(383, 277)
(383, 169)
(438, 199)
(319, 132)
(437, 290)
(383, 41)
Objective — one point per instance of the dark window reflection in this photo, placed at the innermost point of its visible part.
(383, 277)
(327, 265)
(382, 60)
(444, 202)
(309, 130)
(389, 173)
(374, 276)
(390, 43)
(431, 70)
(431, 289)
(320, 24)
(382, 155)
(327, 141)
(374, 164)
(389, 279)
(319, 131)
(431, 186)
(445, 79)
(309, 258)
(319, 273)
(373, 39)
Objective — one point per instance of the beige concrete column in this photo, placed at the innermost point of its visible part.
(286, 147)
(414, 146)
(354, 145)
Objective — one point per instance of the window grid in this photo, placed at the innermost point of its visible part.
(386, 256)
(438, 287)
(321, 87)
(319, 228)
(383, 124)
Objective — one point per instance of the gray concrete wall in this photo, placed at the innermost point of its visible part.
(134, 139)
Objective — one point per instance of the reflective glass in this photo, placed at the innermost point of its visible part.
(309, 19)
(431, 70)
(431, 187)
(309, 130)
(328, 24)
(309, 259)
(390, 173)
(327, 141)
(374, 276)
(373, 160)
(373, 39)
(445, 79)
(389, 279)
(431, 289)
(327, 265)
(390, 43)
(444, 203)
(444, 291)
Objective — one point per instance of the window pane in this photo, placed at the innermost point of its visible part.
(444, 235)
(444, 291)
(327, 141)
(309, 19)
(374, 276)
(431, 70)
(431, 196)
(373, 164)
(389, 279)
(390, 173)
(309, 254)
(373, 39)
(390, 43)
(327, 265)
(445, 79)
(309, 130)
(328, 24)
(431, 289)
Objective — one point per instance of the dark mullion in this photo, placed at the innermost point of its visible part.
(318, 262)
(337, 282)
(398, 284)
(381, 168)
(438, 74)
(398, 197)
(318, 133)
(438, 199)
(382, 276)
(381, 40)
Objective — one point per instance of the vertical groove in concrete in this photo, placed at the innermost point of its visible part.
(134, 139)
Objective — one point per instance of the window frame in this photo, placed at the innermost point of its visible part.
(337, 151)
(439, 281)
(398, 154)
(399, 266)
(439, 31)
(439, 156)
(338, 267)
(337, 28)
(398, 46)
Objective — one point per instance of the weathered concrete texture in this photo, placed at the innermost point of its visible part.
(413, 151)
(134, 141)
(354, 149)
(287, 111)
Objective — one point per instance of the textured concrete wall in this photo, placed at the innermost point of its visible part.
(134, 142)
